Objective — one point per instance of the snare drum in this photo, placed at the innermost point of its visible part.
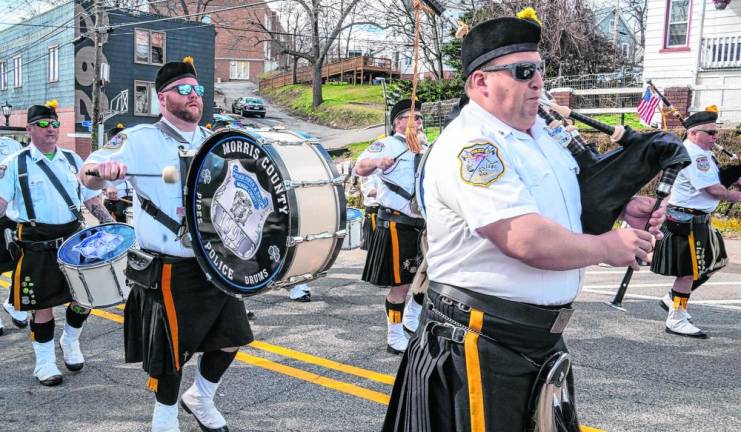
(93, 262)
(354, 236)
(264, 208)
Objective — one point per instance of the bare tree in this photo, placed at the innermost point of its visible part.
(324, 21)
(636, 10)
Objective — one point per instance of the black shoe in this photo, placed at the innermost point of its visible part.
(203, 428)
(16, 322)
(392, 350)
(52, 381)
(304, 298)
(2, 331)
(699, 335)
(250, 315)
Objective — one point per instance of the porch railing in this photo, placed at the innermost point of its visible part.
(721, 52)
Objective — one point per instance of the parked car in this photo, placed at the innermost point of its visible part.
(232, 121)
(249, 105)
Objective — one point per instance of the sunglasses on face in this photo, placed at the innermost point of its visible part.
(709, 132)
(43, 124)
(520, 71)
(417, 117)
(186, 89)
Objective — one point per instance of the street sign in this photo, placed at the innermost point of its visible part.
(87, 123)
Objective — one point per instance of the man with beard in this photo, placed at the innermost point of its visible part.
(173, 311)
(40, 183)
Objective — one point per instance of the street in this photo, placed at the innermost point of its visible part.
(322, 366)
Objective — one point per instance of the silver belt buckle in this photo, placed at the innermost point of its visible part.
(562, 320)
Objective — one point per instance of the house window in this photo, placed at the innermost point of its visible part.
(17, 72)
(145, 99)
(149, 47)
(678, 23)
(3, 76)
(625, 49)
(239, 70)
(54, 64)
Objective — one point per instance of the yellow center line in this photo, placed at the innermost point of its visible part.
(310, 377)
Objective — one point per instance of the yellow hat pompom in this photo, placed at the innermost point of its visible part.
(208, 126)
(711, 108)
(188, 59)
(462, 31)
(52, 104)
(529, 14)
(119, 125)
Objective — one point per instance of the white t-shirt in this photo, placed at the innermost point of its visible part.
(701, 173)
(481, 171)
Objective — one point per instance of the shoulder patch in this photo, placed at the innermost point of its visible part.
(376, 147)
(481, 164)
(116, 142)
(703, 164)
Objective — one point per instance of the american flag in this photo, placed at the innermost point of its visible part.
(647, 106)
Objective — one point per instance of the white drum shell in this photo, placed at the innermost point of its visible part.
(98, 286)
(318, 207)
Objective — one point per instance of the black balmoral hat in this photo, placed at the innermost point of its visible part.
(40, 112)
(709, 115)
(402, 106)
(174, 71)
(499, 37)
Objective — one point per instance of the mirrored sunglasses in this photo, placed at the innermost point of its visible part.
(186, 89)
(46, 123)
(524, 71)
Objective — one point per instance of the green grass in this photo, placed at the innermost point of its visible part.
(631, 119)
(344, 106)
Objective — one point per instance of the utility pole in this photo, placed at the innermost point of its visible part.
(96, 74)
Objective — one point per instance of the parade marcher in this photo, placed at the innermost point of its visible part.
(393, 255)
(506, 250)
(8, 147)
(173, 311)
(117, 198)
(692, 249)
(40, 183)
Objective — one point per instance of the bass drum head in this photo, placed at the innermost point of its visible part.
(238, 213)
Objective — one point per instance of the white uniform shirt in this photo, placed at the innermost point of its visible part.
(401, 173)
(48, 204)
(369, 185)
(481, 171)
(144, 149)
(701, 173)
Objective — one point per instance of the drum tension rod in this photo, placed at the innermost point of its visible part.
(293, 241)
(337, 181)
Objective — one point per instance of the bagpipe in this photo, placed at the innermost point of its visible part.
(608, 181)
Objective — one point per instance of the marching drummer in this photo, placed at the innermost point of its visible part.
(173, 311)
(41, 183)
(394, 254)
(692, 250)
(117, 198)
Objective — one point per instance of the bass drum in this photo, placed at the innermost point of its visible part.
(265, 209)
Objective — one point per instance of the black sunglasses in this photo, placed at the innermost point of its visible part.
(186, 89)
(709, 132)
(417, 117)
(524, 71)
(46, 123)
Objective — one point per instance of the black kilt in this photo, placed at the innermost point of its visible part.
(38, 282)
(689, 249)
(164, 327)
(369, 225)
(477, 385)
(394, 254)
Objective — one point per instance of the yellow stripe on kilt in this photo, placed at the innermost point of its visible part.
(395, 252)
(693, 255)
(17, 275)
(473, 372)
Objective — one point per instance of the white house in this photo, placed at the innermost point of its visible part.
(690, 43)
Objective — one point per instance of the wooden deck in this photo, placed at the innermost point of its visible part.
(356, 70)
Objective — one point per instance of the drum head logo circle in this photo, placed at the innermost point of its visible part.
(237, 211)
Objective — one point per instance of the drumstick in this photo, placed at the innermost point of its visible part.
(169, 174)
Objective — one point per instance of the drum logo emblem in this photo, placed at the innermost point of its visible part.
(239, 210)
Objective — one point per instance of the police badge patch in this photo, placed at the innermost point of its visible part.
(481, 164)
(703, 164)
(116, 142)
(376, 147)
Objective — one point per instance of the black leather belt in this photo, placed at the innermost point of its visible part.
(697, 215)
(40, 246)
(552, 319)
(389, 215)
